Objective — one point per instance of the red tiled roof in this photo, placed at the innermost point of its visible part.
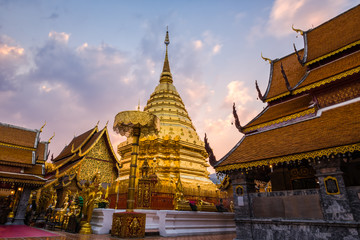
(15, 155)
(331, 69)
(280, 110)
(76, 141)
(40, 152)
(335, 127)
(17, 136)
(294, 72)
(334, 34)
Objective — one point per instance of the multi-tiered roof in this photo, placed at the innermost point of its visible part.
(312, 101)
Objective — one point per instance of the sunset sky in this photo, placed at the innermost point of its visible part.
(74, 63)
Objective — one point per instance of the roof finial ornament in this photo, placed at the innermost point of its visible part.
(41, 129)
(51, 137)
(107, 123)
(261, 97)
(297, 30)
(298, 56)
(237, 122)
(266, 59)
(97, 124)
(212, 158)
(285, 78)
(138, 107)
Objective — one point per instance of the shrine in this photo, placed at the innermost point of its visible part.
(175, 156)
(305, 144)
(22, 157)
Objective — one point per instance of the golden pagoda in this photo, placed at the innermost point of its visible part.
(175, 154)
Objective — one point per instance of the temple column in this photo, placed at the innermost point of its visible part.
(21, 209)
(242, 184)
(333, 195)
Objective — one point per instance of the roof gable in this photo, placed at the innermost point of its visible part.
(294, 73)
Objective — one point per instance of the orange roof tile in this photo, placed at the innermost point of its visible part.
(335, 127)
(17, 136)
(294, 72)
(15, 155)
(331, 69)
(334, 34)
(280, 110)
(40, 152)
(76, 141)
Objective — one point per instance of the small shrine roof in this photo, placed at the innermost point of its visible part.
(333, 36)
(274, 113)
(75, 143)
(294, 72)
(334, 129)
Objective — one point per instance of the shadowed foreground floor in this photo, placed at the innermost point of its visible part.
(71, 236)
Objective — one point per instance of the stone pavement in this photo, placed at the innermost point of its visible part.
(71, 236)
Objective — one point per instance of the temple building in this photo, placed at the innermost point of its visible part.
(305, 144)
(22, 157)
(87, 156)
(175, 154)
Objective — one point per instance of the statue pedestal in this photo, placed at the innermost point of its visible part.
(128, 225)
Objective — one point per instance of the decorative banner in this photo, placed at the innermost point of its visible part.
(331, 185)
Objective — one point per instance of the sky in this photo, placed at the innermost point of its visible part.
(74, 63)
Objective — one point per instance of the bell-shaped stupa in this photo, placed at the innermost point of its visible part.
(175, 153)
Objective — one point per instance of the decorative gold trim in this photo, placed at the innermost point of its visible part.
(81, 154)
(333, 53)
(290, 158)
(328, 80)
(14, 180)
(277, 97)
(279, 120)
(337, 185)
(63, 163)
(17, 146)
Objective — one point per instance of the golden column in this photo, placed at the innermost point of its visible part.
(132, 124)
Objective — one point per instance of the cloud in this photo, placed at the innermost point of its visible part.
(53, 16)
(238, 93)
(61, 37)
(198, 44)
(217, 48)
(304, 14)
(12, 57)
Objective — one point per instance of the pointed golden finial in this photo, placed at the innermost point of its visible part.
(51, 137)
(138, 108)
(297, 30)
(266, 59)
(107, 123)
(41, 129)
(97, 124)
(166, 74)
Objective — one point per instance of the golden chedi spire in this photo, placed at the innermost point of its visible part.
(166, 74)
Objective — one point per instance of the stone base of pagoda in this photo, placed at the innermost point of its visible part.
(170, 223)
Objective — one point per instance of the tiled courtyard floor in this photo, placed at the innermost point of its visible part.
(71, 236)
